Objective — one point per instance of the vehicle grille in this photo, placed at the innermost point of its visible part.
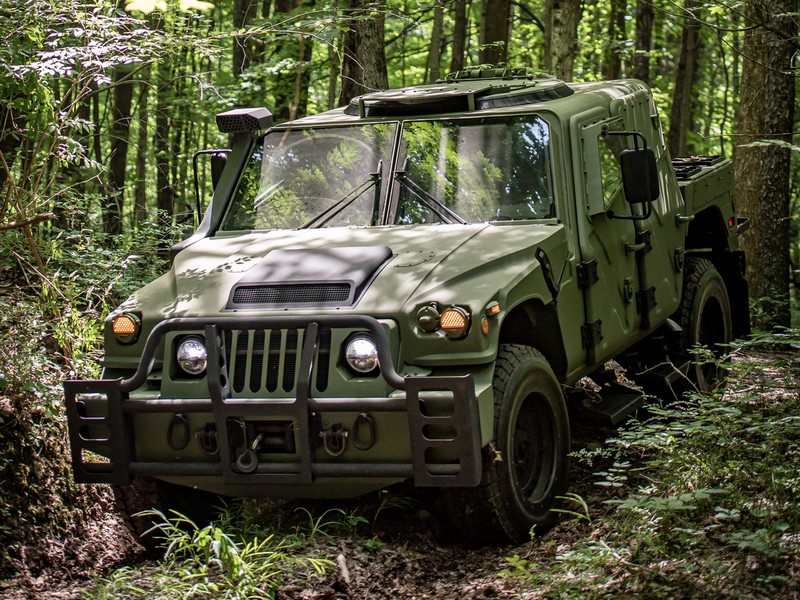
(265, 361)
(269, 294)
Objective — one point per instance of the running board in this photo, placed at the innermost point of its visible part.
(614, 406)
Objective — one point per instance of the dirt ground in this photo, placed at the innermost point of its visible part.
(415, 558)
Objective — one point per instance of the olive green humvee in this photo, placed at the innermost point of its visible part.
(401, 290)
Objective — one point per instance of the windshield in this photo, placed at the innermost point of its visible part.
(446, 171)
(474, 170)
(323, 177)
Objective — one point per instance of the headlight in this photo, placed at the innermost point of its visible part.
(361, 354)
(192, 356)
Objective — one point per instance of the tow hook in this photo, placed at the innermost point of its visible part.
(335, 439)
(180, 441)
(364, 419)
(248, 460)
(207, 438)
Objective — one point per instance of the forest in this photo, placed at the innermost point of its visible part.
(103, 106)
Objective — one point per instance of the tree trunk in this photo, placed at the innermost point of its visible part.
(612, 64)
(495, 29)
(680, 118)
(766, 114)
(561, 37)
(140, 188)
(459, 35)
(120, 130)
(643, 41)
(435, 52)
(165, 196)
(364, 61)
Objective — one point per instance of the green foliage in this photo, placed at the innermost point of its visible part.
(214, 561)
(705, 493)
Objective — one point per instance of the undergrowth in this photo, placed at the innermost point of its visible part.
(704, 494)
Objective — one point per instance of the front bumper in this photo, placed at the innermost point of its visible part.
(111, 434)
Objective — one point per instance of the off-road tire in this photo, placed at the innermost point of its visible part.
(525, 468)
(705, 317)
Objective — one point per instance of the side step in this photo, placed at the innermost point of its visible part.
(614, 406)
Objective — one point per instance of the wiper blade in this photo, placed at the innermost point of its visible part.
(341, 204)
(445, 214)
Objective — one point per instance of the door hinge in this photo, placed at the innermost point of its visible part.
(587, 274)
(646, 300)
(592, 333)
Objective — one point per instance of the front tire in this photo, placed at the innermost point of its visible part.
(525, 469)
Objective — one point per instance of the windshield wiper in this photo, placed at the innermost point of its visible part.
(445, 214)
(341, 204)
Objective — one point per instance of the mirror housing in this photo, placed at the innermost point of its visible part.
(639, 175)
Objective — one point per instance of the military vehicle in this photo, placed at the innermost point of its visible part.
(402, 289)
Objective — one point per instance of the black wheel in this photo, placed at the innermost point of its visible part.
(525, 469)
(705, 316)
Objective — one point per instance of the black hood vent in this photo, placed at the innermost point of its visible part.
(305, 278)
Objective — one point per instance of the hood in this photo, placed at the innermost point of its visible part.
(373, 270)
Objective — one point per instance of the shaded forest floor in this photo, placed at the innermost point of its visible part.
(693, 500)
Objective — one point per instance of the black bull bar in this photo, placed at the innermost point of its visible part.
(116, 443)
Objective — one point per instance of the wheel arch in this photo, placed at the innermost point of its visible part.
(532, 323)
(709, 237)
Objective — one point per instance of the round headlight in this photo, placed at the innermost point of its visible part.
(361, 354)
(192, 356)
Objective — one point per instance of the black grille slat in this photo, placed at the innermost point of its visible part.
(266, 294)
(257, 360)
(290, 360)
(274, 360)
(240, 361)
(323, 358)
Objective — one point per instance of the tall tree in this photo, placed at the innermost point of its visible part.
(120, 128)
(495, 31)
(766, 121)
(459, 35)
(680, 118)
(364, 60)
(561, 36)
(435, 52)
(643, 40)
(612, 63)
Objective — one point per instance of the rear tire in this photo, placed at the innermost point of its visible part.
(705, 317)
(525, 469)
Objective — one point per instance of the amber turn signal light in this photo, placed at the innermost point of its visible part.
(455, 322)
(126, 327)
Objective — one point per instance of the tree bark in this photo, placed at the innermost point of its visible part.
(140, 187)
(494, 33)
(165, 194)
(766, 114)
(435, 52)
(364, 62)
(459, 35)
(612, 64)
(680, 119)
(561, 37)
(120, 130)
(643, 40)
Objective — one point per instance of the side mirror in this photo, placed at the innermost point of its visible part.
(639, 175)
(217, 158)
